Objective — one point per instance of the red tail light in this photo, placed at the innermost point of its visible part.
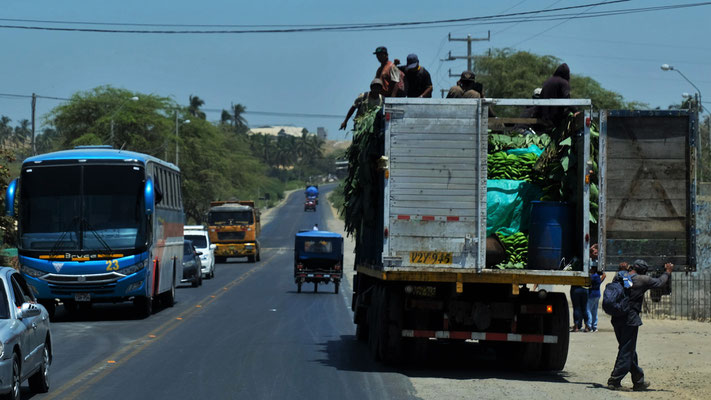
(299, 266)
(337, 267)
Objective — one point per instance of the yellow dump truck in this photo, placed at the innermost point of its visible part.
(234, 227)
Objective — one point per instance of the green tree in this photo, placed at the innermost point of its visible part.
(145, 125)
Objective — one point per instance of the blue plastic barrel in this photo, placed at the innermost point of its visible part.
(551, 235)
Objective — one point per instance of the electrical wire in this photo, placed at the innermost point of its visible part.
(500, 18)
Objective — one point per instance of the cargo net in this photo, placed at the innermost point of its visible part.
(525, 166)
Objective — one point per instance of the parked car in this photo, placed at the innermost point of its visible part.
(201, 240)
(25, 339)
(192, 268)
(310, 205)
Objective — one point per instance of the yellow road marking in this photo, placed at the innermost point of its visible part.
(99, 370)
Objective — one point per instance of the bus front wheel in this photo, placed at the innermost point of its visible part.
(144, 306)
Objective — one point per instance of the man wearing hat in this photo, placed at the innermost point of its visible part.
(465, 87)
(418, 82)
(366, 101)
(627, 327)
(393, 79)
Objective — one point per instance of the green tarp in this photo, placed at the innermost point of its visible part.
(508, 205)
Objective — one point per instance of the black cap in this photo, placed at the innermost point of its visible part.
(467, 76)
(412, 61)
(640, 266)
(381, 49)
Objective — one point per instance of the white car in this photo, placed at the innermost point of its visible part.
(198, 235)
(25, 339)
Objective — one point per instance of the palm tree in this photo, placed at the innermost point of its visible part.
(226, 118)
(194, 107)
(240, 122)
(22, 132)
(5, 129)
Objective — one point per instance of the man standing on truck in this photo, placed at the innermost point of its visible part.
(417, 79)
(393, 80)
(555, 87)
(366, 101)
(465, 87)
(627, 327)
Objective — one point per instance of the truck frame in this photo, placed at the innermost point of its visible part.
(422, 277)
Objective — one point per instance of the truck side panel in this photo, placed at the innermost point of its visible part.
(648, 182)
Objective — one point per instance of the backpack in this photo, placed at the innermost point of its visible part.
(615, 299)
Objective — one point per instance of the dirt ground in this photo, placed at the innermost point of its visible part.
(675, 356)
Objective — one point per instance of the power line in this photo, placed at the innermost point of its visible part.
(528, 16)
(473, 21)
(294, 27)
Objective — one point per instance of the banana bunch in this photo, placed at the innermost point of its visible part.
(516, 247)
(501, 165)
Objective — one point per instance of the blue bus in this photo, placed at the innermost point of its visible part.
(97, 224)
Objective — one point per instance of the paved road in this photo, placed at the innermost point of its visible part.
(246, 334)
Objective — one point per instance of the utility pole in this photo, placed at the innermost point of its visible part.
(176, 137)
(34, 105)
(469, 57)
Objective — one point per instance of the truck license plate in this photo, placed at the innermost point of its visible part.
(430, 257)
(82, 297)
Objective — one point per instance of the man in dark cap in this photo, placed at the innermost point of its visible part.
(393, 79)
(418, 82)
(366, 101)
(465, 87)
(627, 327)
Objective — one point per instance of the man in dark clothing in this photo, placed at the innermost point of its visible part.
(627, 327)
(417, 80)
(465, 87)
(555, 87)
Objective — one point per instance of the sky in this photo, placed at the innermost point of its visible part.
(322, 72)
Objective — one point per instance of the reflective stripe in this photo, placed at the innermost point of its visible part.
(491, 336)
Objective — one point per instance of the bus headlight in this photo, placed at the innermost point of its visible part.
(35, 273)
(133, 268)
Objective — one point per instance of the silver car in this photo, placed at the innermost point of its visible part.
(25, 339)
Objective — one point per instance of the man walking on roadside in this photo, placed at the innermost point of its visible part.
(627, 327)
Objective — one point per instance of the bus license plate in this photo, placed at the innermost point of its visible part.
(82, 297)
(430, 257)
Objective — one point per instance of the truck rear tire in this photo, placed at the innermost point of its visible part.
(385, 334)
(555, 355)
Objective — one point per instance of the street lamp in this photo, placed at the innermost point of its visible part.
(113, 114)
(667, 67)
(177, 136)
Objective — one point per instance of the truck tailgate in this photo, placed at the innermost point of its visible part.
(435, 210)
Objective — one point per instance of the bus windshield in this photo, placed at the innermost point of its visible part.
(230, 217)
(82, 208)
